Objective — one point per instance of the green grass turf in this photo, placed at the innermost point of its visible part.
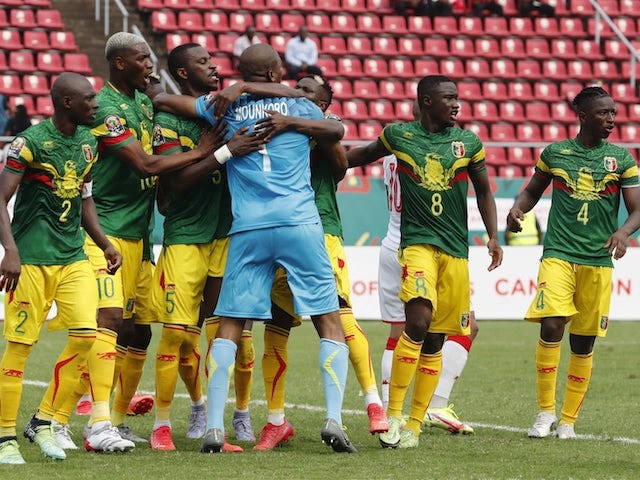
(496, 394)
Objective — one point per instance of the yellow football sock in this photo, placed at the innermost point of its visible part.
(359, 352)
(167, 360)
(130, 375)
(211, 325)
(243, 377)
(403, 369)
(12, 365)
(578, 378)
(189, 366)
(547, 361)
(81, 387)
(427, 377)
(121, 354)
(274, 366)
(101, 362)
(66, 377)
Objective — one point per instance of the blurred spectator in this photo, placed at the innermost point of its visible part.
(536, 7)
(4, 118)
(432, 8)
(301, 55)
(245, 40)
(18, 122)
(487, 8)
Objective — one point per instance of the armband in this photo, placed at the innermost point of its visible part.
(87, 190)
(223, 154)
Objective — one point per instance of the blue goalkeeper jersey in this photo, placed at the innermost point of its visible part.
(270, 187)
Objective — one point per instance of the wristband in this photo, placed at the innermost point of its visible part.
(87, 190)
(222, 154)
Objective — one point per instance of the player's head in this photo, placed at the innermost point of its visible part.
(596, 111)
(74, 99)
(129, 59)
(190, 64)
(438, 101)
(261, 63)
(316, 89)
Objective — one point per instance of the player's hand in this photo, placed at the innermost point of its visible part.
(212, 138)
(114, 259)
(221, 100)
(275, 123)
(495, 250)
(514, 217)
(242, 143)
(10, 268)
(617, 245)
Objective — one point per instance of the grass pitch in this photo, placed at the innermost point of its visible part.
(495, 394)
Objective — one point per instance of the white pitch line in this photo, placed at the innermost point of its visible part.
(316, 408)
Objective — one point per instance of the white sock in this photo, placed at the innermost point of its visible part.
(276, 419)
(199, 403)
(454, 358)
(385, 374)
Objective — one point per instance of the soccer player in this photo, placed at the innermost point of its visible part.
(44, 260)
(197, 208)
(124, 189)
(275, 223)
(455, 350)
(588, 175)
(328, 166)
(435, 161)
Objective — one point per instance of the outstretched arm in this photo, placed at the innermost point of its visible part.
(360, 156)
(322, 130)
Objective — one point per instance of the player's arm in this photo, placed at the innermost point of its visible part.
(488, 212)
(525, 201)
(360, 156)
(228, 95)
(10, 266)
(617, 243)
(334, 153)
(181, 105)
(91, 225)
(321, 129)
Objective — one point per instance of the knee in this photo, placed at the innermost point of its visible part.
(141, 337)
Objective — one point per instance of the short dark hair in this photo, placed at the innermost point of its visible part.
(429, 83)
(583, 99)
(178, 57)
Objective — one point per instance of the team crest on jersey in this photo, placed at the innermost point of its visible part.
(114, 125)
(16, 147)
(457, 148)
(604, 322)
(146, 111)
(87, 153)
(158, 138)
(464, 320)
(610, 164)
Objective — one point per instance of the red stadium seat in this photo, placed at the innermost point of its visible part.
(470, 26)
(291, 22)
(546, 90)
(493, 90)
(344, 23)
(375, 67)
(21, 61)
(26, 100)
(354, 6)
(11, 39)
(460, 47)
(502, 132)
(598, 28)
(563, 48)
(163, 21)
(215, 21)
(331, 6)
(581, 7)
(445, 25)
(44, 106)
(627, 26)
(24, 19)
(528, 69)
(452, 67)
(570, 89)
(239, 21)
(50, 19)
(621, 113)
(35, 84)
(485, 111)
(546, 26)
(623, 92)
(223, 63)
(383, 7)
(411, 88)
(333, 45)
(77, 62)
(553, 132)
(512, 47)
(176, 4)
(202, 4)
(146, 5)
(496, 26)
(226, 42)
(435, 46)
(554, 69)
(605, 70)
(629, 133)
(267, 22)
(495, 156)
(394, 24)
(470, 89)
(3, 62)
(253, 5)
(410, 46)
(520, 156)
(537, 47)
(359, 45)
(350, 133)
(419, 25)
(629, 8)
(10, 85)
(354, 109)
(382, 45)
(279, 42)
(190, 21)
(512, 111)
(382, 110)
(63, 40)
(403, 67)
(503, 68)
(579, 69)
(302, 5)
(520, 90)
(319, 23)
(330, 67)
(479, 128)
(97, 82)
(634, 112)
(486, 47)
(206, 39)
(229, 5)
(391, 89)
(572, 27)
(528, 132)
(342, 88)
(403, 110)
(537, 111)
(173, 40)
(349, 66)
(366, 89)
(335, 107)
(627, 69)
(521, 27)
(614, 49)
(477, 68)
(4, 21)
(561, 112)
(369, 24)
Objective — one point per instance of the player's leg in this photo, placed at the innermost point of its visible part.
(243, 381)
